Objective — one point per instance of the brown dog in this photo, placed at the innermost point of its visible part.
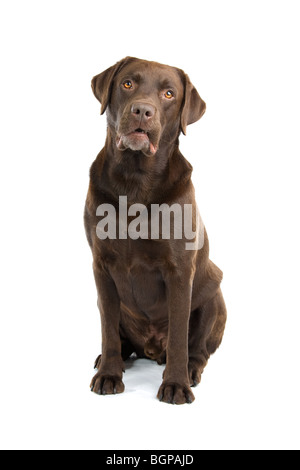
(157, 298)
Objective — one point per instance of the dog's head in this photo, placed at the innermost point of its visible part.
(147, 103)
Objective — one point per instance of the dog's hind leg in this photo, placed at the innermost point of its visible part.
(207, 325)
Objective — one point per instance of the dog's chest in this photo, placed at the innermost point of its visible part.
(137, 273)
(146, 287)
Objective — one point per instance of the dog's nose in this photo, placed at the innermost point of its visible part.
(144, 111)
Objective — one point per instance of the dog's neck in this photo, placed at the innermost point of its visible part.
(142, 179)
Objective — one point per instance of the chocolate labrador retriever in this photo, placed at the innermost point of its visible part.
(158, 297)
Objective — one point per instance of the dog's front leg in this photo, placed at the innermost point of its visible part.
(108, 379)
(175, 388)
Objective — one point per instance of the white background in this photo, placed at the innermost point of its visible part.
(243, 57)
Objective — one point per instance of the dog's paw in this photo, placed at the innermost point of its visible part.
(195, 372)
(175, 394)
(106, 385)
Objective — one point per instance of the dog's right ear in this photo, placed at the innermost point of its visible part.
(102, 84)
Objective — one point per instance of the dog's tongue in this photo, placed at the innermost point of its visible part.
(153, 149)
(120, 144)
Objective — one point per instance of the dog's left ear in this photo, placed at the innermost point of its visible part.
(193, 106)
(102, 84)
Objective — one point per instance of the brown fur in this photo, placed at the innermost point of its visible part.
(156, 299)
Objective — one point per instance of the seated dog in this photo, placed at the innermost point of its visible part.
(159, 296)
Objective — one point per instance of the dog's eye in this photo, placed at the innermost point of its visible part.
(169, 94)
(127, 84)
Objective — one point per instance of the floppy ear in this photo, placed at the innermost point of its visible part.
(193, 107)
(102, 84)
